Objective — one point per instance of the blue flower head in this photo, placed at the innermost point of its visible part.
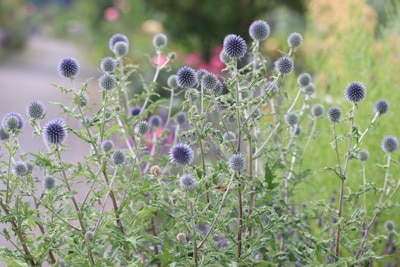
(121, 49)
(118, 157)
(381, 106)
(172, 81)
(49, 182)
(107, 81)
(180, 118)
(187, 182)
(136, 111)
(68, 67)
(13, 122)
(234, 46)
(209, 81)
(259, 30)
(237, 162)
(20, 169)
(107, 145)
(142, 127)
(334, 114)
(355, 92)
(390, 144)
(155, 121)
(55, 131)
(108, 64)
(181, 154)
(118, 37)
(304, 79)
(35, 110)
(295, 40)
(186, 77)
(284, 65)
(160, 40)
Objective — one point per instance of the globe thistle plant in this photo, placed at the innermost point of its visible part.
(295, 40)
(121, 49)
(229, 136)
(334, 114)
(12, 122)
(234, 46)
(309, 89)
(237, 162)
(118, 37)
(181, 154)
(390, 144)
(355, 92)
(317, 110)
(304, 79)
(107, 145)
(292, 118)
(389, 226)
(186, 77)
(89, 235)
(68, 67)
(193, 94)
(136, 111)
(284, 65)
(108, 64)
(3, 134)
(160, 41)
(155, 121)
(259, 30)
(20, 169)
(55, 131)
(35, 110)
(107, 81)
(172, 81)
(180, 118)
(49, 182)
(142, 127)
(381, 106)
(118, 157)
(209, 81)
(363, 155)
(223, 56)
(187, 182)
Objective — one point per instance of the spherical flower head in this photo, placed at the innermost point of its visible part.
(68, 67)
(118, 157)
(12, 122)
(160, 41)
(187, 182)
(155, 121)
(259, 30)
(186, 77)
(363, 155)
(292, 118)
(192, 94)
(55, 131)
(20, 169)
(155, 170)
(381, 106)
(142, 127)
(3, 134)
(181, 237)
(181, 154)
(298, 130)
(229, 136)
(219, 88)
(180, 118)
(118, 37)
(304, 79)
(172, 81)
(89, 235)
(295, 40)
(334, 114)
(237, 162)
(284, 65)
(309, 89)
(200, 73)
(35, 110)
(223, 56)
(171, 56)
(234, 46)
(136, 111)
(83, 100)
(389, 226)
(209, 81)
(317, 110)
(108, 64)
(121, 49)
(390, 144)
(107, 81)
(49, 182)
(107, 145)
(355, 92)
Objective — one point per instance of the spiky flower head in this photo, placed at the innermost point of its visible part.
(160, 41)
(292, 118)
(284, 65)
(186, 77)
(317, 110)
(172, 81)
(209, 81)
(381, 106)
(118, 37)
(187, 182)
(3, 134)
(180, 118)
(389, 226)
(192, 94)
(223, 56)
(295, 40)
(89, 235)
(155, 121)
(12, 122)
(107, 145)
(68, 67)
(234, 46)
(142, 127)
(219, 88)
(35, 110)
(108, 64)
(49, 182)
(118, 157)
(304, 79)
(259, 30)
(390, 144)
(229, 136)
(309, 89)
(55, 131)
(363, 155)
(107, 81)
(200, 73)
(136, 111)
(121, 49)
(83, 100)
(20, 169)
(155, 170)
(355, 92)
(237, 162)
(181, 154)
(334, 114)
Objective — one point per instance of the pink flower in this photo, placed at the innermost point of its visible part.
(111, 14)
(161, 61)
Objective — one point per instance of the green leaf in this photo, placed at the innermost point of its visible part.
(269, 177)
